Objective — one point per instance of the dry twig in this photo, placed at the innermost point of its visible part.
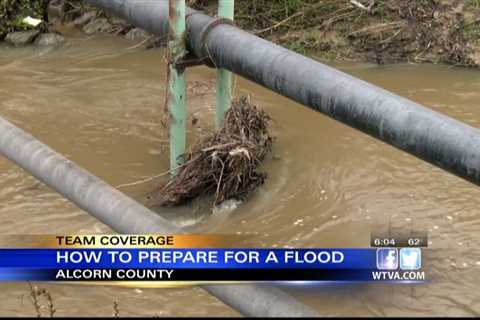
(116, 310)
(362, 6)
(35, 294)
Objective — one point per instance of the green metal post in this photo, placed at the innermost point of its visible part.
(176, 83)
(224, 77)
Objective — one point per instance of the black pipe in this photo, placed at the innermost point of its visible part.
(429, 135)
(125, 215)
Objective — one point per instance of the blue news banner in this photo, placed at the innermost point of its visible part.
(205, 265)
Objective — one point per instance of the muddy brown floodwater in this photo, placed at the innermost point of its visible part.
(99, 102)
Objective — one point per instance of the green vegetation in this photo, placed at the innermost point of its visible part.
(473, 4)
(12, 12)
(472, 21)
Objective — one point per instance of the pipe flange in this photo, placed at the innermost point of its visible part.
(202, 46)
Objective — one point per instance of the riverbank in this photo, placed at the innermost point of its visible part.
(388, 31)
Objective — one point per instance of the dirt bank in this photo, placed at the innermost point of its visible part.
(380, 31)
(446, 31)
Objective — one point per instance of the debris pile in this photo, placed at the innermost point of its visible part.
(225, 164)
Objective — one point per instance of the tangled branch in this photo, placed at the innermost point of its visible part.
(225, 164)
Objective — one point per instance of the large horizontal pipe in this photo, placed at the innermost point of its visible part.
(429, 135)
(125, 215)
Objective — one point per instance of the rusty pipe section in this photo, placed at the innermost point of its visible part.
(404, 124)
(125, 215)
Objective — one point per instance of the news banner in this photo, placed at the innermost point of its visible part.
(193, 259)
